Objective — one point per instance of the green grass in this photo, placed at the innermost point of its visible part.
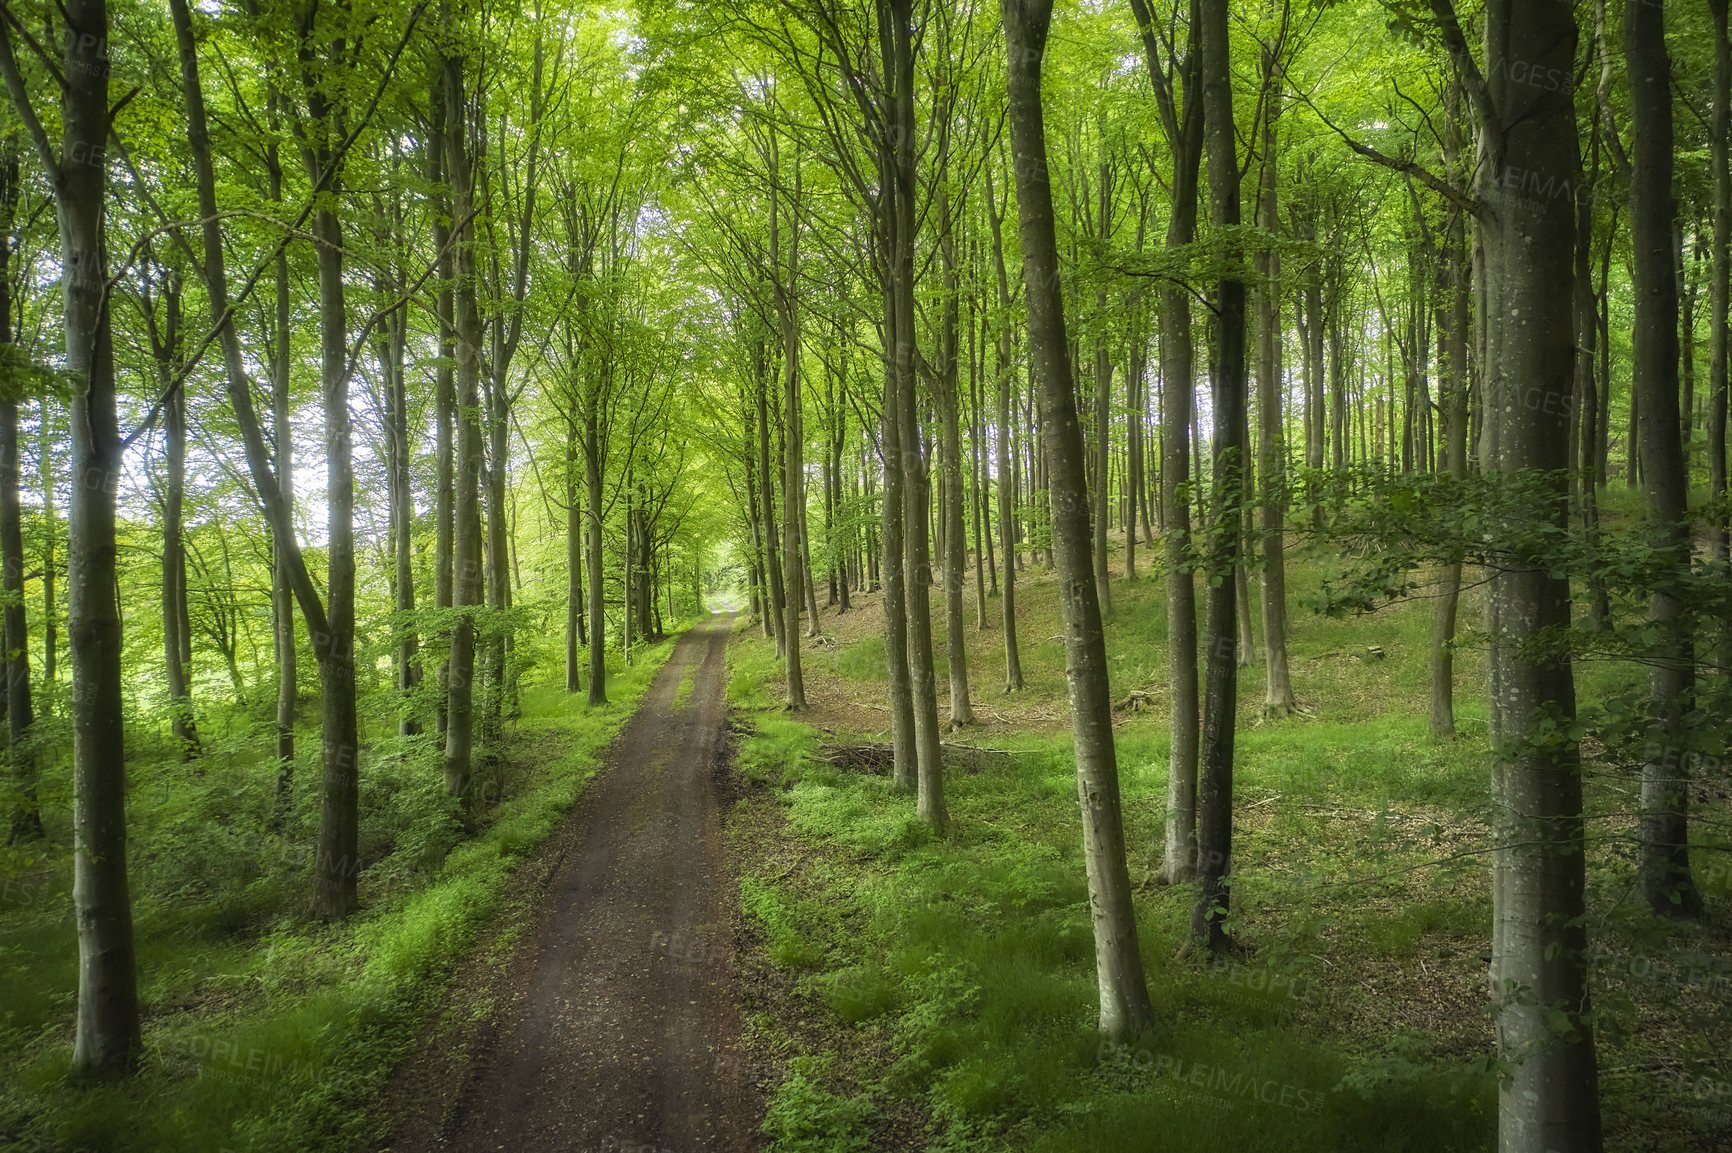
(956, 972)
(264, 1030)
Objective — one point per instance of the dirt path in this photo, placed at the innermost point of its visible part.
(613, 1025)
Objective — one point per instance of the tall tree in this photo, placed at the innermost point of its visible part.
(1227, 490)
(107, 1041)
(1663, 871)
(1550, 1098)
(1124, 996)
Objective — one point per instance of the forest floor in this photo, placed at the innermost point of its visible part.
(613, 1023)
(935, 991)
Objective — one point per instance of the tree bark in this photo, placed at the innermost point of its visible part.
(1271, 420)
(1538, 977)
(107, 1040)
(467, 559)
(25, 820)
(1663, 868)
(1124, 997)
(1226, 532)
(1006, 365)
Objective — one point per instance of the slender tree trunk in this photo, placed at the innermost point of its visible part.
(950, 420)
(1271, 419)
(1007, 498)
(1226, 533)
(1720, 307)
(282, 571)
(593, 528)
(467, 559)
(1663, 870)
(1454, 318)
(25, 820)
(176, 618)
(1124, 998)
(1182, 120)
(573, 561)
(445, 397)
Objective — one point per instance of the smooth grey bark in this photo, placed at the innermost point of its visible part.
(107, 1039)
(444, 394)
(592, 479)
(1226, 531)
(1124, 997)
(1663, 864)
(1177, 83)
(283, 433)
(1006, 373)
(1271, 417)
(1538, 978)
(1103, 412)
(904, 135)
(467, 557)
(793, 466)
(949, 417)
(176, 616)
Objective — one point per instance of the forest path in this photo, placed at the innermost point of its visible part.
(612, 1025)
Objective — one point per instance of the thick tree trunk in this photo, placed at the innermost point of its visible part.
(1663, 870)
(1124, 997)
(1226, 532)
(107, 1041)
(1549, 1099)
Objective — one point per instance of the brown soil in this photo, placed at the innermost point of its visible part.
(612, 1024)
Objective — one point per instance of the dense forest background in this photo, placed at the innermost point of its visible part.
(381, 384)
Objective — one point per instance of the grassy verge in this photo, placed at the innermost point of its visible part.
(955, 974)
(265, 1030)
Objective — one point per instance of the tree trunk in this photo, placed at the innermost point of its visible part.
(107, 1040)
(1549, 1098)
(1124, 998)
(573, 561)
(1226, 533)
(1454, 318)
(1182, 120)
(1271, 419)
(25, 820)
(1720, 307)
(1663, 870)
(1006, 366)
(176, 617)
(467, 559)
(949, 405)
